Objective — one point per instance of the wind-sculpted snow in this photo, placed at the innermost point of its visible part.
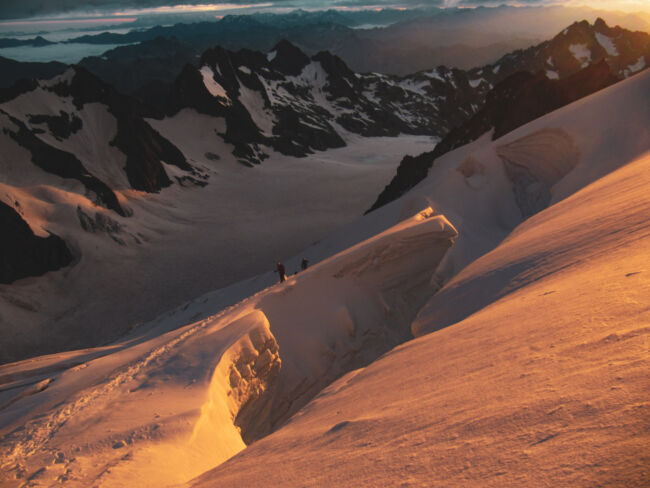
(538, 378)
(160, 408)
(535, 163)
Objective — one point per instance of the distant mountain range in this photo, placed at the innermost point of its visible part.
(391, 41)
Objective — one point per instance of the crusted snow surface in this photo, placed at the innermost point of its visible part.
(546, 380)
(607, 43)
(122, 278)
(215, 89)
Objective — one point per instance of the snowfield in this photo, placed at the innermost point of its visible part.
(521, 267)
(237, 226)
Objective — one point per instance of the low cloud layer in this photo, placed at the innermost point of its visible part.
(43, 8)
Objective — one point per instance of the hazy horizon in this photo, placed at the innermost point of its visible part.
(35, 11)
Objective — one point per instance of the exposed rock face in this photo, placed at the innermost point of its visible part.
(287, 58)
(573, 49)
(517, 100)
(296, 104)
(143, 146)
(61, 126)
(23, 254)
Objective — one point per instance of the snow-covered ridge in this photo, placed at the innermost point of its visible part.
(544, 382)
(242, 372)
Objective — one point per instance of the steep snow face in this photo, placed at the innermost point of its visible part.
(535, 163)
(162, 407)
(545, 383)
(254, 104)
(607, 43)
(581, 53)
(554, 156)
(215, 89)
(636, 67)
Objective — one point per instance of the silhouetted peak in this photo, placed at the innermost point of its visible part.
(288, 58)
(600, 25)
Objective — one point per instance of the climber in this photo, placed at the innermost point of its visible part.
(281, 271)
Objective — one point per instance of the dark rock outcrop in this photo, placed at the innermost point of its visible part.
(24, 85)
(61, 126)
(572, 50)
(22, 253)
(143, 146)
(288, 58)
(144, 70)
(13, 71)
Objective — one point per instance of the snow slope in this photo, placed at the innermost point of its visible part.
(122, 278)
(545, 385)
(486, 188)
(159, 409)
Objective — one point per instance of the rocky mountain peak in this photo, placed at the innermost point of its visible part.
(287, 58)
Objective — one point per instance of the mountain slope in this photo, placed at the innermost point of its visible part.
(545, 383)
(188, 390)
(25, 254)
(518, 99)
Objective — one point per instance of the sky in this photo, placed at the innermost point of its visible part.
(46, 9)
